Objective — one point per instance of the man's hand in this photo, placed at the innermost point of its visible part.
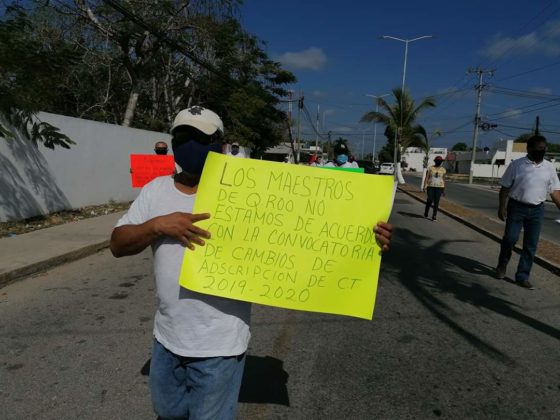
(502, 213)
(181, 226)
(383, 232)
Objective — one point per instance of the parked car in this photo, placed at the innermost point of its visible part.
(387, 169)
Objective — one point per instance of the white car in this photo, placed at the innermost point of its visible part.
(387, 169)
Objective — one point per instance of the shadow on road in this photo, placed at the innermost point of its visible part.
(264, 381)
(429, 271)
(413, 215)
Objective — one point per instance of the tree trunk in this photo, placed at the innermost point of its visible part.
(131, 107)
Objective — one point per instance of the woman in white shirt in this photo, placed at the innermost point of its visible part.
(435, 186)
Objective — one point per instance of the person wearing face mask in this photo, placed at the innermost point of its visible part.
(342, 157)
(160, 148)
(235, 150)
(434, 185)
(525, 185)
(200, 341)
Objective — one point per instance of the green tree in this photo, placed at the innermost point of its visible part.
(188, 52)
(249, 94)
(31, 72)
(428, 140)
(403, 112)
(460, 147)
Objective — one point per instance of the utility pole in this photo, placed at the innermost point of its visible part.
(537, 120)
(317, 133)
(376, 99)
(480, 72)
(300, 107)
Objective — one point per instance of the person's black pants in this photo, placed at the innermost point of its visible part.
(434, 194)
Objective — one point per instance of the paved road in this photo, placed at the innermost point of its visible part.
(485, 200)
(447, 340)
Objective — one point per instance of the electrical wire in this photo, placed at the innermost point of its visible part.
(529, 71)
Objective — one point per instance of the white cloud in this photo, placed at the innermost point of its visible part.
(310, 59)
(552, 29)
(500, 46)
(543, 41)
(343, 129)
(546, 91)
(329, 111)
(512, 113)
(447, 90)
(319, 94)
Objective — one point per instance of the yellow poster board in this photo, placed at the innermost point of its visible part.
(290, 236)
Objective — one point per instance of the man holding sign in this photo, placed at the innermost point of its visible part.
(200, 340)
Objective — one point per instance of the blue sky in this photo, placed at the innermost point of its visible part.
(335, 52)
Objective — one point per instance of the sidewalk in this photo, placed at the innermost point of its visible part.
(30, 253)
(548, 253)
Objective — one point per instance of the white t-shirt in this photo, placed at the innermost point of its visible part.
(344, 165)
(530, 183)
(187, 323)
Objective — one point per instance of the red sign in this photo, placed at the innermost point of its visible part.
(144, 168)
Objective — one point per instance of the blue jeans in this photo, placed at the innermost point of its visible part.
(434, 195)
(530, 218)
(195, 388)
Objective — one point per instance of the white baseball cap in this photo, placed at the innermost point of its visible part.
(200, 118)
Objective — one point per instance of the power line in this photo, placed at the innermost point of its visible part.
(513, 45)
(504, 133)
(529, 111)
(529, 129)
(529, 71)
(522, 93)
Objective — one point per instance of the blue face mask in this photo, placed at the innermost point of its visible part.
(191, 155)
(342, 159)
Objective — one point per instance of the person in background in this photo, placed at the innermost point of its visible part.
(435, 186)
(341, 157)
(526, 183)
(234, 150)
(313, 160)
(160, 148)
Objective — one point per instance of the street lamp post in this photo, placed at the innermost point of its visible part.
(406, 42)
(376, 97)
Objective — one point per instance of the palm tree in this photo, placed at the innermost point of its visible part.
(428, 139)
(403, 114)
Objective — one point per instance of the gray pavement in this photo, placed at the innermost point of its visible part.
(40, 250)
(447, 340)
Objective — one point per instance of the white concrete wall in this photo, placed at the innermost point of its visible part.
(488, 171)
(35, 180)
(414, 157)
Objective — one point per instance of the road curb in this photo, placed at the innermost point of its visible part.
(9, 277)
(543, 262)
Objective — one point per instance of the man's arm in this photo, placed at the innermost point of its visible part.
(555, 195)
(502, 208)
(132, 239)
